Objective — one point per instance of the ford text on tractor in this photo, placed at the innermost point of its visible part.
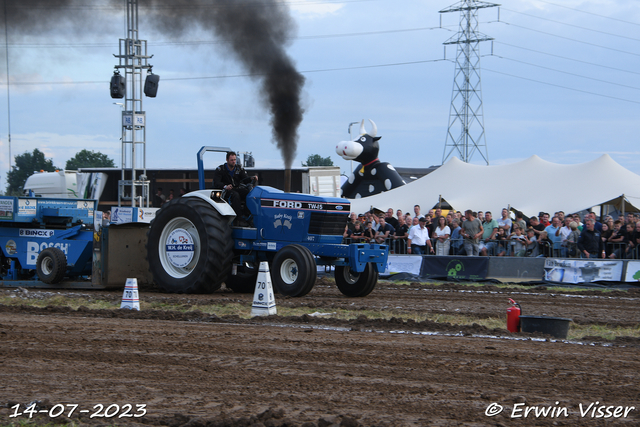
(194, 245)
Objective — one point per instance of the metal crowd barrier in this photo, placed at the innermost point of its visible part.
(620, 250)
(543, 248)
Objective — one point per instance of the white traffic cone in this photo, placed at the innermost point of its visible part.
(264, 303)
(130, 298)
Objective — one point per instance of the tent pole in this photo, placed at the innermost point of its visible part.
(623, 206)
(440, 201)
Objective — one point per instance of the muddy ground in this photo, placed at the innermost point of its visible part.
(197, 369)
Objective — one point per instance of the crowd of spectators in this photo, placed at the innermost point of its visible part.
(479, 233)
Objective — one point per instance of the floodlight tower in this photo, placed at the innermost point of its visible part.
(133, 58)
(465, 133)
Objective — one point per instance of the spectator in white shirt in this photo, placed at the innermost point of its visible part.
(419, 239)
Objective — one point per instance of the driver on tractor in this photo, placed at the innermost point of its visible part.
(235, 182)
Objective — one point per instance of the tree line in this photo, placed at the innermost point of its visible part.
(27, 163)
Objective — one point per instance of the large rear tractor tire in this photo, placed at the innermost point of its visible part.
(51, 265)
(189, 247)
(244, 282)
(354, 284)
(294, 271)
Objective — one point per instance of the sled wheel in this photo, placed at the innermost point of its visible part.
(51, 265)
(354, 284)
(293, 271)
(189, 247)
(244, 282)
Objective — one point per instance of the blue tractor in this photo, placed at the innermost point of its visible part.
(194, 245)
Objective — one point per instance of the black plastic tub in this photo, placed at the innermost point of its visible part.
(557, 327)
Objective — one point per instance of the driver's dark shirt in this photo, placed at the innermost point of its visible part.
(223, 176)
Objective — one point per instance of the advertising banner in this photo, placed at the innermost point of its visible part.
(582, 270)
(455, 268)
(27, 207)
(633, 272)
(144, 214)
(403, 264)
(127, 215)
(6, 209)
(121, 215)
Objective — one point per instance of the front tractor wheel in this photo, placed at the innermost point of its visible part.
(189, 247)
(354, 284)
(294, 271)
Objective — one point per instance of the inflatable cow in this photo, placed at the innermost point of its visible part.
(372, 176)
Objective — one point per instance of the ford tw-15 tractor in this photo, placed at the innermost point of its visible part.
(194, 245)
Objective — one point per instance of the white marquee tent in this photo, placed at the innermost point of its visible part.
(531, 186)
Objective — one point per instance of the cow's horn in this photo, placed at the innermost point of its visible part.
(362, 129)
(374, 129)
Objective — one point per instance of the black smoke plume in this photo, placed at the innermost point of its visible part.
(256, 32)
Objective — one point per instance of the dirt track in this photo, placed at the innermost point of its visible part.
(193, 368)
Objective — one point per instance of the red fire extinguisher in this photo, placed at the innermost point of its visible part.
(513, 316)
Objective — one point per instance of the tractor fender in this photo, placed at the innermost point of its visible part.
(220, 205)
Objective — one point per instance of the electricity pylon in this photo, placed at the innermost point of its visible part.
(465, 133)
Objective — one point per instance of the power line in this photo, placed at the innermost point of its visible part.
(336, 35)
(320, 70)
(204, 42)
(57, 83)
(564, 72)
(58, 45)
(359, 67)
(569, 38)
(311, 37)
(568, 59)
(340, 35)
(560, 86)
(589, 13)
(367, 33)
(571, 25)
(213, 4)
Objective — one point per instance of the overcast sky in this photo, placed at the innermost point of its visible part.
(562, 83)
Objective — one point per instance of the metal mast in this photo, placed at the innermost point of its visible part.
(6, 50)
(465, 133)
(133, 59)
